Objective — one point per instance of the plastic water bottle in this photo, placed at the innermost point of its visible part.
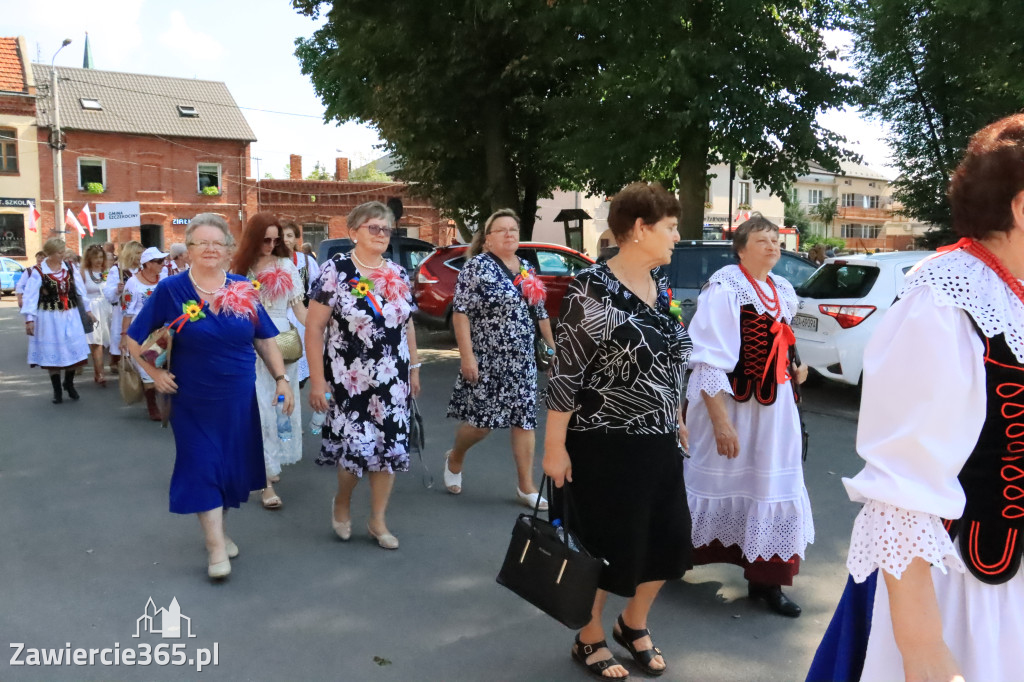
(284, 422)
(557, 523)
(317, 422)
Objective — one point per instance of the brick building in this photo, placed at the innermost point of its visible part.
(162, 142)
(19, 151)
(320, 207)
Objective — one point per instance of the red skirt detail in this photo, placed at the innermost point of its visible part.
(774, 571)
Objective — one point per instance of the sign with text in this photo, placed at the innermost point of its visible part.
(120, 214)
(14, 202)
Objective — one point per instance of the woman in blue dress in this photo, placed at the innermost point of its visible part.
(212, 381)
(498, 297)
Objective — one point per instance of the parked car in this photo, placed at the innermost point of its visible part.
(693, 263)
(408, 252)
(841, 304)
(434, 285)
(10, 273)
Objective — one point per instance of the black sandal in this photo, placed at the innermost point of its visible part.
(581, 651)
(626, 636)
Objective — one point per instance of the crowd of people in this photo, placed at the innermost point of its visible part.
(672, 446)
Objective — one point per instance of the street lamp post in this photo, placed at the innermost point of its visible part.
(57, 144)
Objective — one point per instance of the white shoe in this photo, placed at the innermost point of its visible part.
(453, 482)
(219, 570)
(230, 547)
(530, 500)
(343, 529)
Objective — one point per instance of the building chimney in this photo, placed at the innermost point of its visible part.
(294, 167)
(341, 169)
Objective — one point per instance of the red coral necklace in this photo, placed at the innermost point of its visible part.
(771, 303)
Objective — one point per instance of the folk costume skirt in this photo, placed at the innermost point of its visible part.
(627, 505)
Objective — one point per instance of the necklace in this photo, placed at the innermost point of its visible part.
(94, 278)
(361, 264)
(202, 290)
(145, 279)
(648, 293)
(979, 251)
(771, 304)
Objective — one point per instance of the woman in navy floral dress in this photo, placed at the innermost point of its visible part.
(497, 298)
(367, 362)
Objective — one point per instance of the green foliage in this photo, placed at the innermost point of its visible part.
(796, 216)
(674, 87)
(319, 173)
(937, 71)
(211, 190)
(369, 173)
(826, 211)
(830, 242)
(94, 187)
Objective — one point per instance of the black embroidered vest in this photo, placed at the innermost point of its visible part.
(55, 295)
(993, 476)
(748, 378)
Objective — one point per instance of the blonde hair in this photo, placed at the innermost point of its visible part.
(55, 245)
(130, 254)
(476, 247)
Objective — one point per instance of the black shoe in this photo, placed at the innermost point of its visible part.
(69, 384)
(777, 602)
(627, 637)
(58, 395)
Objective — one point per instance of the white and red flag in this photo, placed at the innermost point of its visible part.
(71, 221)
(85, 218)
(33, 218)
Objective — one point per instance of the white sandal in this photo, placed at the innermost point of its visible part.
(453, 482)
(530, 500)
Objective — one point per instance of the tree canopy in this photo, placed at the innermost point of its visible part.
(937, 71)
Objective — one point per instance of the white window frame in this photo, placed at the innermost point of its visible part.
(814, 197)
(744, 188)
(103, 170)
(849, 200)
(871, 201)
(220, 176)
(794, 194)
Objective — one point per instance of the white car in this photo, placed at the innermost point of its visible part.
(840, 306)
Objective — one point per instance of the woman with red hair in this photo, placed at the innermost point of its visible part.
(264, 259)
(935, 589)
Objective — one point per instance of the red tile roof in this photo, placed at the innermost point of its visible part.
(12, 76)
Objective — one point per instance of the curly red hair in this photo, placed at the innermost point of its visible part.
(989, 177)
(251, 244)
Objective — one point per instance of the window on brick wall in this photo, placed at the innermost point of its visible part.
(90, 171)
(8, 150)
(209, 176)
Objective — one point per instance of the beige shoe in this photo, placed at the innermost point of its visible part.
(343, 529)
(453, 482)
(230, 547)
(219, 570)
(387, 540)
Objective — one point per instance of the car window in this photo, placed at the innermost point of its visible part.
(556, 263)
(840, 280)
(12, 266)
(417, 256)
(456, 263)
(794, 269)
(691, 267)
(907, 268)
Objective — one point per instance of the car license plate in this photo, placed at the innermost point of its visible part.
(805, 322)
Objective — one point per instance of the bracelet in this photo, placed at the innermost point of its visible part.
(416, 366)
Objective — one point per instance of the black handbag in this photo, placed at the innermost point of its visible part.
(547, 566)
(418, 440)
(87, 324)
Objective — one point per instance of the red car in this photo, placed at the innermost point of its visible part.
(434, 286)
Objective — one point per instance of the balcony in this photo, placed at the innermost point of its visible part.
(880, 215)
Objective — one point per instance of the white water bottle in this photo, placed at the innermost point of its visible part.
(284, 422)
(317, 422)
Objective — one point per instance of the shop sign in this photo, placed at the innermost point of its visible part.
(14, 202)
(120, 214)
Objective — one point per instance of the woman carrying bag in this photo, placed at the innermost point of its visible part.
(615, 428)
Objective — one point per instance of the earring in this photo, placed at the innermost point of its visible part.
(355, 241)
(636, 241)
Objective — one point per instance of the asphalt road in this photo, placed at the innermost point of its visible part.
(86, 541)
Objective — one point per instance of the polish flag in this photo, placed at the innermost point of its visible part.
(33, 218)
(85, 218)
(71, 221)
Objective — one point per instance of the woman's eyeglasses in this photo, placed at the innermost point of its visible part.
(271, 240)
(217, 246)
(376, 230)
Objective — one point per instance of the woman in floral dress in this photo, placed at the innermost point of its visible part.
(264, 259)
(367, 363)
(497, 298)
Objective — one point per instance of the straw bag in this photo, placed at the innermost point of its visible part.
(290, 344)
(129, 382)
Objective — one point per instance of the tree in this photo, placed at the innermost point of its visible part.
(674, 86)
(826, 211)
(796, 216)
(319, 172)
(937, 71)
(369, 173)
(465, 114)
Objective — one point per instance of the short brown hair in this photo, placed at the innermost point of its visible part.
(648, 202)
(755, 223)
(990, 175)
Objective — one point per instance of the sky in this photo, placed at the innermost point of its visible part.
(249, 45)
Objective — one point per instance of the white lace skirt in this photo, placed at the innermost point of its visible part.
(276, 452)
(100, 335)
(757, 500)
(59, 340)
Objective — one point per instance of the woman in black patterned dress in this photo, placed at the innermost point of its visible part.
(495, 329)
(615, 432)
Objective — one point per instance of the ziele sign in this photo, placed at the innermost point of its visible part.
(120, 214)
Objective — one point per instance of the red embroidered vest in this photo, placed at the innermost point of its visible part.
(748, 378)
